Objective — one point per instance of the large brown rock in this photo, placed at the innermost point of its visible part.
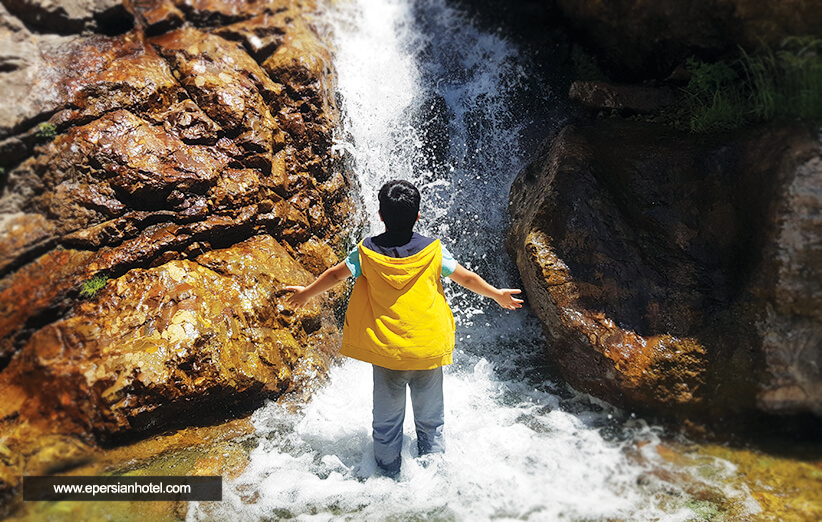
(677, 273)
(653, 36)
(66, 81)
(174, 345)
(192, 174)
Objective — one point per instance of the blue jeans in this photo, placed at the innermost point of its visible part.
(389, 413)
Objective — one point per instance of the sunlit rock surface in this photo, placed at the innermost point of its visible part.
(174, 345)
(677, 273)
(164, 178)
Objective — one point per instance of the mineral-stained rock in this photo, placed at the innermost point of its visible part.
(175, 345)
(303, 64)
(186, 121)
(94, 171)
(34, 290)
(161, 147)
(674, 272)
(22, 235)
(21, 66)
(317, 256)
(71, 81)
(230, 87)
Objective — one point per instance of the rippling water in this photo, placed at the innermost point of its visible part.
(428, 97)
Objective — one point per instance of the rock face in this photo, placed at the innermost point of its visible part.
(632, 98)
(677, 273)
(174, 343)
(184, 166)
(652, 37)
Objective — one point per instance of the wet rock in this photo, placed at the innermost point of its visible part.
(302, 64)
(652, 38)
(260, 35)
(176, 344)
(230, 87)
(158, 17)
(66, 81)
(21, 65)
(632, 98)
(655, 260)
(36, 292)
(21, 236)
(317, 256)
(218, 12)
(97, 171)
(158, 151)
(186, 121)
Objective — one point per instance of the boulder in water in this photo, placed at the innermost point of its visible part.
(677, 273)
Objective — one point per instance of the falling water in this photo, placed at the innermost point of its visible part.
(428, 97)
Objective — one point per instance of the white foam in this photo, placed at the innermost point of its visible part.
(506, 457)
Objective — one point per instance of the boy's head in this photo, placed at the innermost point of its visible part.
(399, 205)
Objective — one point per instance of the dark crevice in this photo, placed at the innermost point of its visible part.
(31, 253)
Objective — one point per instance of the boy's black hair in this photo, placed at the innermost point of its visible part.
(399, 205)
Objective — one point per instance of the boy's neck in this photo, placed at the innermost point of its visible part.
(393, 238)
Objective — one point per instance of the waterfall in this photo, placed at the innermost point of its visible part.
(428, 97)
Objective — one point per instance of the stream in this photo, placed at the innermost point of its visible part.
(428, 97)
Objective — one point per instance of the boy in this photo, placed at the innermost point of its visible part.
(399, 321)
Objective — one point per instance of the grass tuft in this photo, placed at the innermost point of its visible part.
(93, 285)
(46, 131)
(781, 84)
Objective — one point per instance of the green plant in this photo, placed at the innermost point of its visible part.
(786, 83)
(704, 510)
(760, 86)
(93, 285)
(46, 131)
(714, 96)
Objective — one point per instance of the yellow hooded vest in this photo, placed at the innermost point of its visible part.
(397, 316)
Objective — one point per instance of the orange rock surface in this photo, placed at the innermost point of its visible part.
(184, 166)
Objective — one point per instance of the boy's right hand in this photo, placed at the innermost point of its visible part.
(300, 297)
(508, 301)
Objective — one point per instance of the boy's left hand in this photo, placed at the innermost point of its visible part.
(299, 298)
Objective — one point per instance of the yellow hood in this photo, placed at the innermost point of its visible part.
(397, 315)
(401, 272)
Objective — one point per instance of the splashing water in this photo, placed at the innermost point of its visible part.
(429, 98)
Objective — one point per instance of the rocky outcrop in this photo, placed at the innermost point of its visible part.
(161, 187)
(677, 273)
(599, 95)
(650, 38)
(173, 345)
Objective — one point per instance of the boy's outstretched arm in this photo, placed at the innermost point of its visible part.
(476, 284)
(326, 281)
